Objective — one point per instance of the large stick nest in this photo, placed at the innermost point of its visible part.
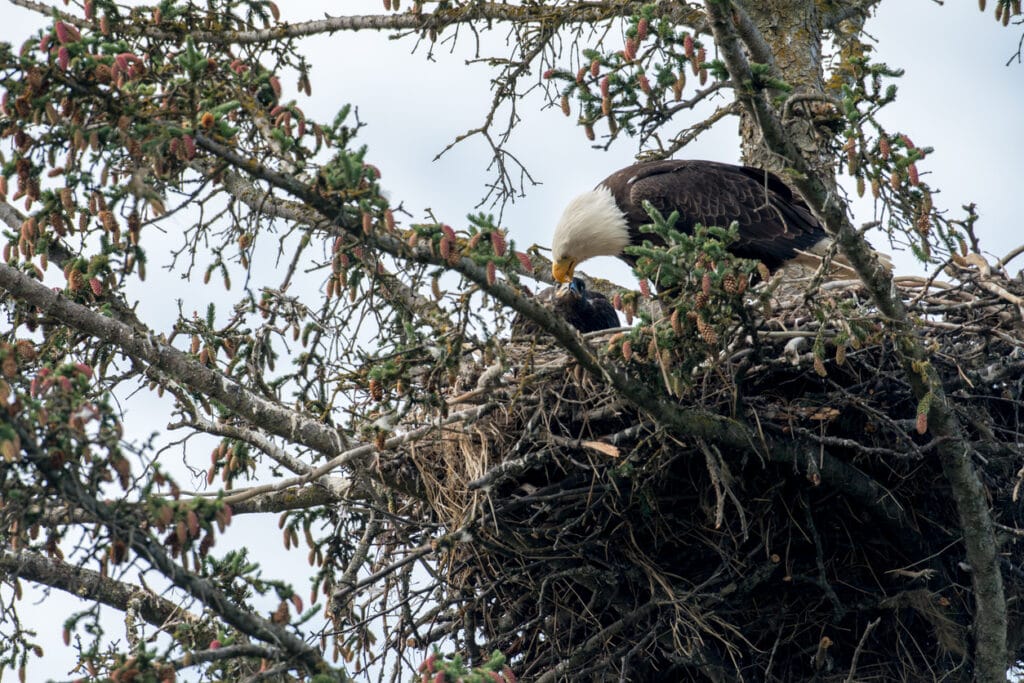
(604, 547)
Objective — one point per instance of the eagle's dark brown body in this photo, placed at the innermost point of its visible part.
(774, 226)
(773, 222)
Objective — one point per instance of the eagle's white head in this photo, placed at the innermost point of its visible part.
(591, 225)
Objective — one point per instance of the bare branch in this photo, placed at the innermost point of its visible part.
(849, 10)
(860, 647)
(249, 436)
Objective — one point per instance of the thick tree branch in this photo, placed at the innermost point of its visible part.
(177, 364)
(325, 491)
(954, 451)
(59, 255)
(760, 50)
(582, 13)
(89, 585)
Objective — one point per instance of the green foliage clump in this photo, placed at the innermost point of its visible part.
(438, 668)
(703, 296)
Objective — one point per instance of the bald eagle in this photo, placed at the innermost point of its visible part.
(775, 226)
(586, 311)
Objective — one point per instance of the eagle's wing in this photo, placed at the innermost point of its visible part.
(587, 311)
(600, 315)
(773, 223)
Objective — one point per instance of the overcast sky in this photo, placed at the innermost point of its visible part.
(957, 96)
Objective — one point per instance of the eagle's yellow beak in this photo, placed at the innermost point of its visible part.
(562, 270)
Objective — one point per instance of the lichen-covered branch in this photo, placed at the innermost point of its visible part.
(275, 418)
(90, 585)
(415, 20)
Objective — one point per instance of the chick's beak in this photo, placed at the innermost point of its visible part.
(563, 270)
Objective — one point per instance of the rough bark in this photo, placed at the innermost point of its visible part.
(793, 30)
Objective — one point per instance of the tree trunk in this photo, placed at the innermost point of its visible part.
(792, 28)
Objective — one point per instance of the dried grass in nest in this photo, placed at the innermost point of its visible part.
(606, 548)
